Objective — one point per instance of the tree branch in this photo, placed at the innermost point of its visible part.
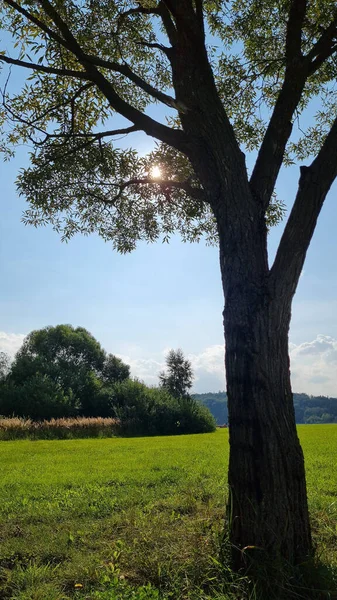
(169, 25)
(294, 30)
(196, 193)
(139, 10)
(125, 70)
(150, 126)
(44, 68)
(314, 184)
(186, 20)
(279, 129)
(199, 11)
(324, 47)
(91, 136)
(173, 137)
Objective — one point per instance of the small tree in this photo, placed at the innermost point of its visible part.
(5, 365)
(178, 378)
(114, 370)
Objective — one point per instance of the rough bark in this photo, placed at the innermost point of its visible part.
(267, 503)
(267, 491)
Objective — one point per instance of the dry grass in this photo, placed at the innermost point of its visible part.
(80, 427)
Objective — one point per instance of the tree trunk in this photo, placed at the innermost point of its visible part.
(267, 502)
(267, 490)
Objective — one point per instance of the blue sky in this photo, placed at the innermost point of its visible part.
(159, 297)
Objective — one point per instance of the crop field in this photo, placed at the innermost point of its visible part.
(134, 519)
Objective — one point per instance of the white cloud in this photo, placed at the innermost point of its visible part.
(11, 342)
(208, 367)
(319, 346)
(146, 369)
(314, 366)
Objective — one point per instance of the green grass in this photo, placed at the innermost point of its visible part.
(138, 519)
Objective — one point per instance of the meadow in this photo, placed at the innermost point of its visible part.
(136, 518)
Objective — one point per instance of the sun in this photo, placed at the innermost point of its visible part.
(155, 172)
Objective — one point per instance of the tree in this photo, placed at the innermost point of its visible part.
(63, 352)
(99, 68)
(5, 363)
(179, 376)
(114, 370)
(69, 361)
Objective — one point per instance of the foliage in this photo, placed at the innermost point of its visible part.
(154, 411)
(63, 352)
(114, 370)
(216, 402)
(178, 378)
(38, 397)
(96, 396)
(142, 510)
(80, 179)
(61, 371)
(315, 409)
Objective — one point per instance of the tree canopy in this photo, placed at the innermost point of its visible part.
(95, 67)
(60, 371)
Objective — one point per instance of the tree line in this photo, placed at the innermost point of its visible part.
(63, 371)
(308, 409)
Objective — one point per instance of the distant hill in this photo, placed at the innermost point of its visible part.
(308, 409)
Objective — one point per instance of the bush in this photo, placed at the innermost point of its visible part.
(140, 410)
(196, 418)
(37, 398)
(96, 398)
(153, 411)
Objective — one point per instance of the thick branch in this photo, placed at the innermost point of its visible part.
(186, 20)
(168, 23)
(272, 149)
(199, 11)
(314, 184)
(324, 47)
(298, 70)
(139, 10)
(294, 30)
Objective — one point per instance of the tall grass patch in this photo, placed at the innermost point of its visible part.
(15, 428)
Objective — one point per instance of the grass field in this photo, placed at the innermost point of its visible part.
(121, 519)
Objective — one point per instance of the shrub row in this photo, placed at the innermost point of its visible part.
(130, 408)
